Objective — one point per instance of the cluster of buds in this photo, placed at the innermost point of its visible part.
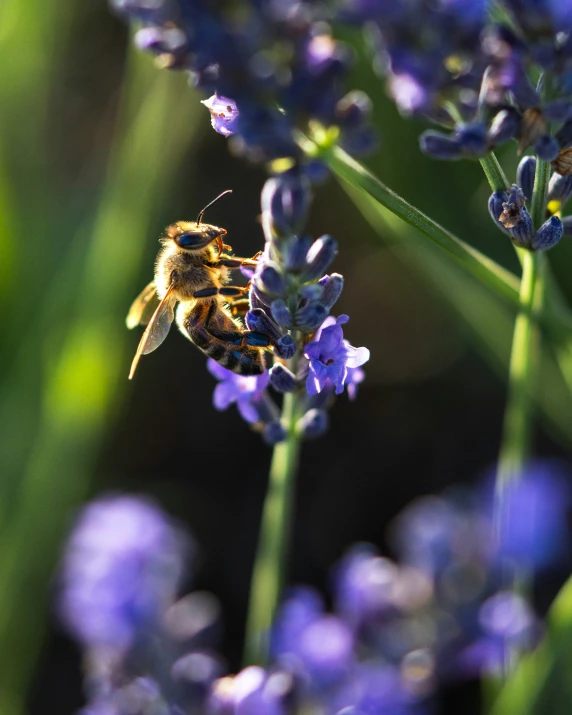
(291, 297)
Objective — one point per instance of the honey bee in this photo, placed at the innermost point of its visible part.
(193, 269)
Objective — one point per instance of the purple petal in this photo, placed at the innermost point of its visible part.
(224, 114)
(356, 356)
(316, 379)
(337, 373)
(225, 393)
(247, 410)
(218, 371)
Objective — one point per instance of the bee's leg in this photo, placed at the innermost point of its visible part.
(235, 261)
(228, 291)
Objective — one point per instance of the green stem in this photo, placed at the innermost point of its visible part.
(272, 552)
(494, 172)
(516, 436)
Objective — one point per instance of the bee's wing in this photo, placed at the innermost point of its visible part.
(143, 307)
(157, 329)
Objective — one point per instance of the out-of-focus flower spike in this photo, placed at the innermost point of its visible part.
(525, 175)
(548, 235)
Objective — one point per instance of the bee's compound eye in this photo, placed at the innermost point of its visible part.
(191, 239)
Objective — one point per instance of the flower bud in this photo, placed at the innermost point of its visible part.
(285, 202)
(313, 424)
(294, 253)
(311, 316)
(285, 347)
(548, 234)
(567, 225)
(313, 291)
(560, 188)
(546, 148)
(523, 232)
(282, 379)
(503, 127)
(273, 432)
(353, 109)
(564, 135)
(281, 313)
(496, 202)
(563, 163)
(439, 145)
(332, 289)
(258, 321)
(525, 175)
(270, 280)
(321, 254)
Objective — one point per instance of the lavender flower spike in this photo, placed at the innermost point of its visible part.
(121, 570)
(330, 356)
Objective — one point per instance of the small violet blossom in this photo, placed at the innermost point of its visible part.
(244, 390)
(331, 357)
(224, 114)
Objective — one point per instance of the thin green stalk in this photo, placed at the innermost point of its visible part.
(516, 436)
(273, 541)
(494, 172)
(504, 283)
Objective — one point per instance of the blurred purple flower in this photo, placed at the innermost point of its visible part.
(244, 390)
(250, 692)
(331, 356)
(365, 584)
(354, 377)
(532, 514)
(224, 114)
(120, 571)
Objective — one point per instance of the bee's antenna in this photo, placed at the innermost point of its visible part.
(200, 216)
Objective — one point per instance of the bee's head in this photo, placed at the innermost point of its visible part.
(191, 236)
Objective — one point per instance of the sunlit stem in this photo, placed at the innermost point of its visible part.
(270, 563)
(516, 444)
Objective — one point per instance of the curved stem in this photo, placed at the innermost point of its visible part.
(516, 436)
(272, 551)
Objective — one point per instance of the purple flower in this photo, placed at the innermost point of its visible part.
(354, 377)
(331, 356)
(120, 571)
(224, 114)
(250, 692)
(244, 390)
(533, 516)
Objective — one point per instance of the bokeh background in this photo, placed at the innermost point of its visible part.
(98, 152)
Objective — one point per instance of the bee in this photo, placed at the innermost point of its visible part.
(193, 269)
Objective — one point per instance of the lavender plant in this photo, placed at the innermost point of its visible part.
(273, 74)
(399, 631)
